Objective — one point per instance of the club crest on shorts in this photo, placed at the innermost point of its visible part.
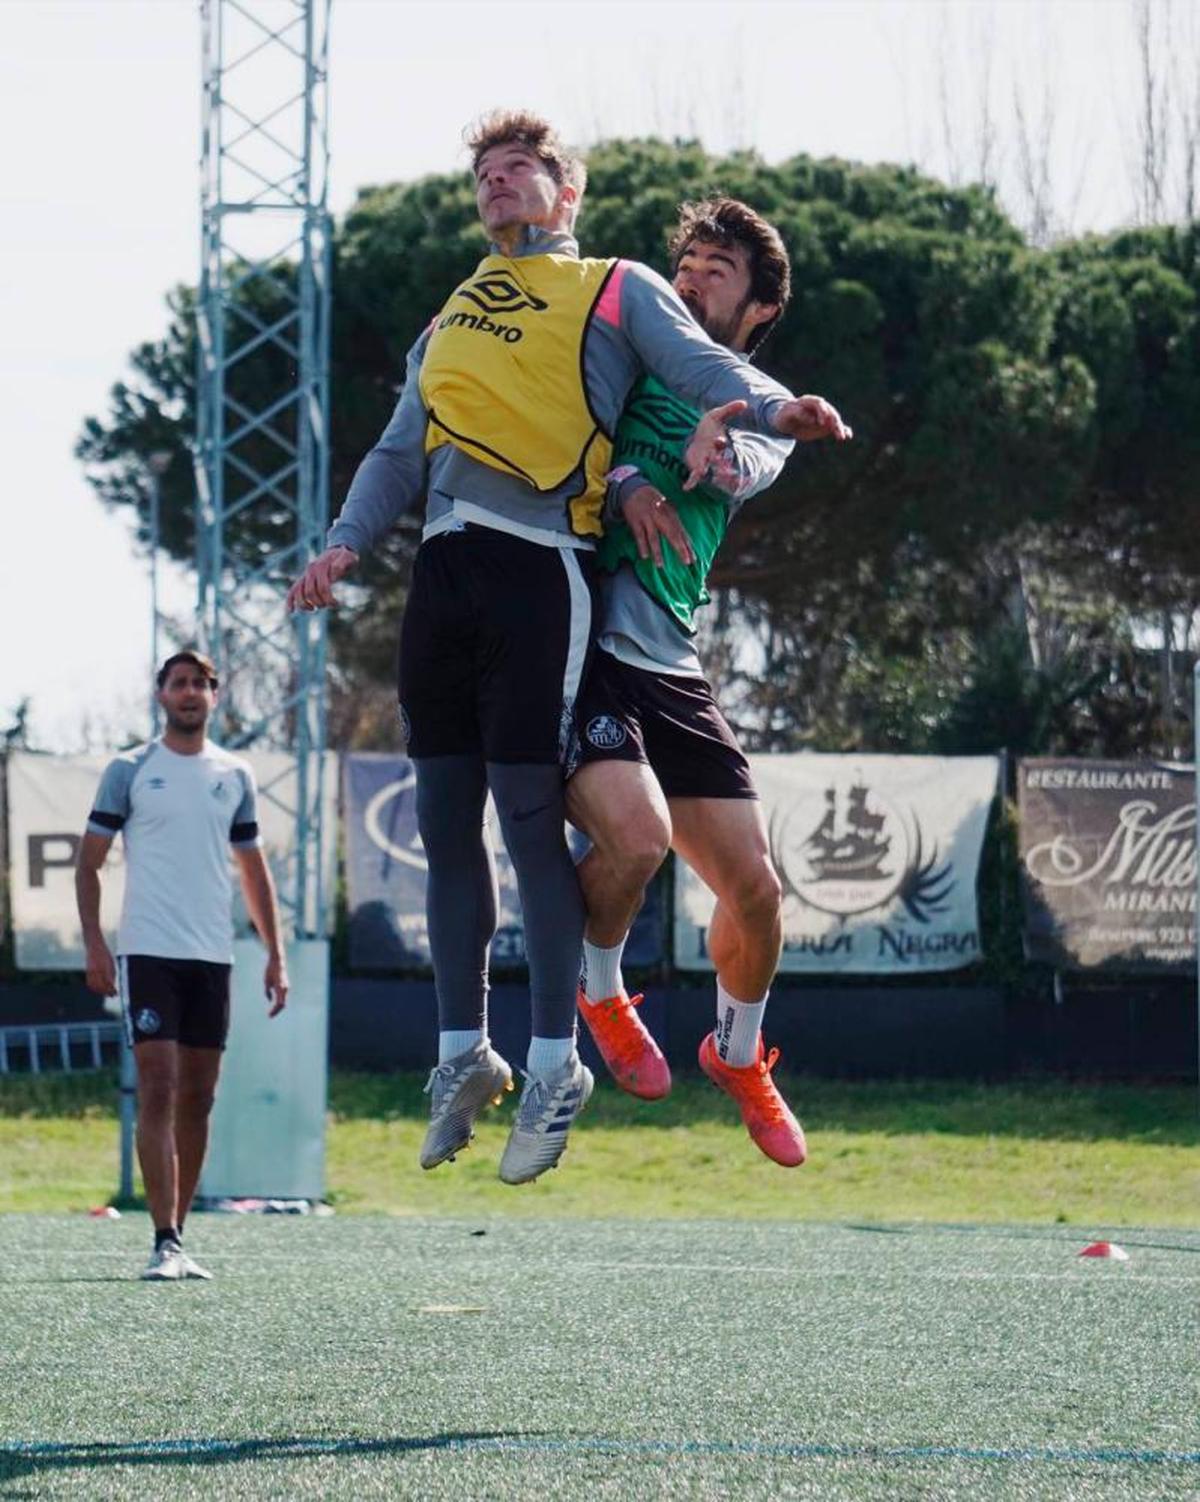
(147, 1020)
(605, 733)
(405, 725)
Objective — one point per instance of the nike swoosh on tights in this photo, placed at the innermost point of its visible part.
(520, 814)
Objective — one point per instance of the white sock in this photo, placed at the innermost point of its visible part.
(547, 1056)
(739, 1024)
(450, 1045)
(602, 971)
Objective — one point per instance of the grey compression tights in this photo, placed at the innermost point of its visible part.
(529, 800)
(461, 892)
(460, 900)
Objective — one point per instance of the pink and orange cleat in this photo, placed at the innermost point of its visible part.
(765, 1112)
(634, 1059)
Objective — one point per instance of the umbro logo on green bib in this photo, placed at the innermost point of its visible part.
(662, 414)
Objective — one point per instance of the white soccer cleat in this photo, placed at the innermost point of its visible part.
(459, 1090)
(165, 1264)
(539, 1134)
(191, 1268)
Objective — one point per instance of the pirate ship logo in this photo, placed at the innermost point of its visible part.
(860, 856)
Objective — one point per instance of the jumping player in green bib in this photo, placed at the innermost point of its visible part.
(656, 764)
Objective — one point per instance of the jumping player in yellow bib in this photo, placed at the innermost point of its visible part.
(504, 428)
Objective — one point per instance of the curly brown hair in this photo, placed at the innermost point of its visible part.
(728, 222)
(526, 129)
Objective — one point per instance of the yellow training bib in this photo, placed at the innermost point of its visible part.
(502, 377)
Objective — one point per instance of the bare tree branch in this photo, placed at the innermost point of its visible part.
(1152, 34)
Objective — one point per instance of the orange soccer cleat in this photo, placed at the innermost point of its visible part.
(634, 1059)
(764, 1111)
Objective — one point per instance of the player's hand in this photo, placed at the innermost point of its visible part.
(101, 969)
(651, 517)
(707, 455)
(275, 984)
(313, 590)
(809, 419)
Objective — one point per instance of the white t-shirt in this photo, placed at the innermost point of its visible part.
(178, 816)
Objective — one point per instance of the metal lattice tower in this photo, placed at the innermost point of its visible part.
(262, 452)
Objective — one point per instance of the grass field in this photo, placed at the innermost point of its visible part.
(1036, 1152)
(419, 1358)
(667, 1316)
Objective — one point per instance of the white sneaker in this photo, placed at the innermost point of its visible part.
(459, 1089)
(192, 1269)
(548, 1107)
(165, 1264)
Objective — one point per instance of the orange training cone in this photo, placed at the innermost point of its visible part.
(1106, 1249)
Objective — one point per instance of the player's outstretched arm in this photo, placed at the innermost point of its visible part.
(707, 455)
(101, 968)
(313, 590)
(809, 419)
(259, 891)
(741, 461)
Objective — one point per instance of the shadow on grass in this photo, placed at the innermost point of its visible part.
(19, 1462)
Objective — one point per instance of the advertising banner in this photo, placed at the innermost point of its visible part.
(878, 856)
(1108, 864)
(49, 799)
(386, 867)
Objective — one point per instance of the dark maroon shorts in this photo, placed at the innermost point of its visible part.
(669, 722)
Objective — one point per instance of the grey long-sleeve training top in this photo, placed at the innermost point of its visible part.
(639, 324)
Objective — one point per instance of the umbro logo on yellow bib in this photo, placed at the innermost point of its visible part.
(494, 292)
(499, 293)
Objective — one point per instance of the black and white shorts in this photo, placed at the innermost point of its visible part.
(670, 722)
(496, 636)
(174, 1001)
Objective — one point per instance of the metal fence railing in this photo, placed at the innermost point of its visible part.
(64, 1047)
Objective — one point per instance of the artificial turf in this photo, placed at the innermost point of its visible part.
(393, 1357)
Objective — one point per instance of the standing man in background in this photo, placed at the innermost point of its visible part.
(180, 802)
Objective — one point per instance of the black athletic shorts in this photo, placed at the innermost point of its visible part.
(174, 1001)
(668, 721)
(495, 640)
